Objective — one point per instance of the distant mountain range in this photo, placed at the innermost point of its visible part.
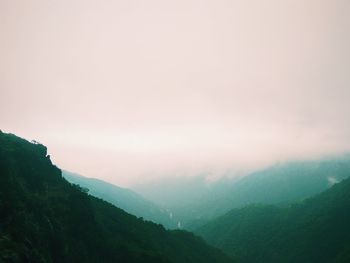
(44, 218)
(314, 231)
(123, 198)
(193, 201)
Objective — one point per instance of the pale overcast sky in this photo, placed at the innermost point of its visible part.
(121, 90)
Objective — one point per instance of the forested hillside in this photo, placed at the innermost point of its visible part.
(123, 198)
(43, 218)
(284, 183)
(316, 230)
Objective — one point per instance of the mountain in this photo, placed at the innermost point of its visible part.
(315, 230)
(123, 198)
(183, 195)
(279, 184)
(44, 218)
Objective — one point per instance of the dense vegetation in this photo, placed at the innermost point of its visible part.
(43, 218)
(123, 198)
(316, 230)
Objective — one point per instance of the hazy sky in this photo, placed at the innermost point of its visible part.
(122, 90)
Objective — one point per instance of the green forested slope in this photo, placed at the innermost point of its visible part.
(194, 202)
(314, 231)
(123, 198)
(43, 218)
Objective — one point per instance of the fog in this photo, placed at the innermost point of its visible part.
(131, 90)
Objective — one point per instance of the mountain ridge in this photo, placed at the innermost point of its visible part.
(44, 218)
(123, 198)
(314, 230)
(279, 185)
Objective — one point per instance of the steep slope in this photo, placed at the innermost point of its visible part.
(316, 230)
(43, 218)
(123, 198)
(279, 184)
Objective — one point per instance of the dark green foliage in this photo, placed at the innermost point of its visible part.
(43, 218)
(316, 230)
